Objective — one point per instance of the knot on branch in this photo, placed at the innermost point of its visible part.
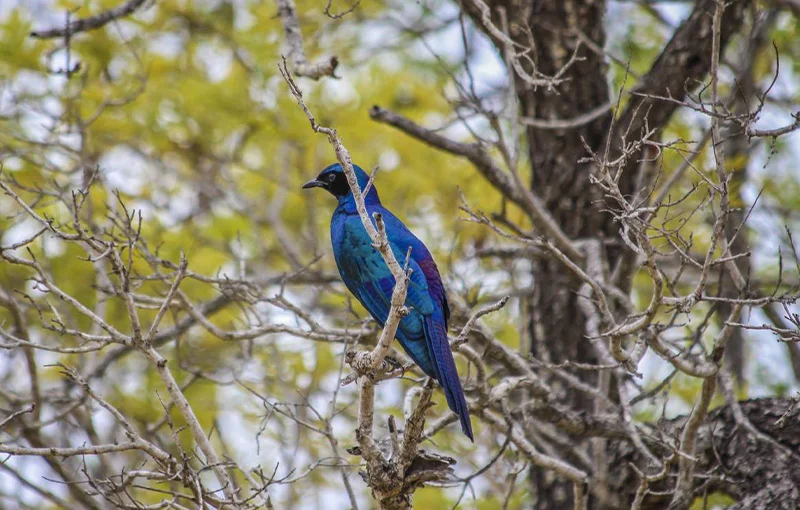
(362, 363)
(393, 465)
(393, 476)
(426, 467)
(429, 467)
(325, 67)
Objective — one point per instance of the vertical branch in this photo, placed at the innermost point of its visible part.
(415, 422)
(683, 489)
(377, 234)
(366, 364)
(366, 414)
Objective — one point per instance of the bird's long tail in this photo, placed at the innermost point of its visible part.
(436, 335)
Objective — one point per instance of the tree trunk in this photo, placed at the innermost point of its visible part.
(737, 155)
(557, 30)
(557, 326)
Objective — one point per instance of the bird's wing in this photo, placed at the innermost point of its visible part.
(368, 277)
(423, 333)
(404, 239)
(435, 286)
(435, 321)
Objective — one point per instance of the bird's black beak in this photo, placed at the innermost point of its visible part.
(313, 183)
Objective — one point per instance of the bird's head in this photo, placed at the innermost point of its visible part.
(334, 181)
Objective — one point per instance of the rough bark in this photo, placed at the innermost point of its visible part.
(557, 327)
(759, 473)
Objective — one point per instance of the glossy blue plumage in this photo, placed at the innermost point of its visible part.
(423, 333)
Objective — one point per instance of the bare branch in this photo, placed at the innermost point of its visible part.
(297, 53)
(92, 22)
(504, 183)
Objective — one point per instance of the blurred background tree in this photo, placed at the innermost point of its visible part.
(585, 131)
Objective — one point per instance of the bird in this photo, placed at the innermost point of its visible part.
(423, 332)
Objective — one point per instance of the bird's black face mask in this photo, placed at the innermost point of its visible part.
(334, 182)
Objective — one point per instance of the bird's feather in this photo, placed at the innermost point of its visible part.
(423, 332)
